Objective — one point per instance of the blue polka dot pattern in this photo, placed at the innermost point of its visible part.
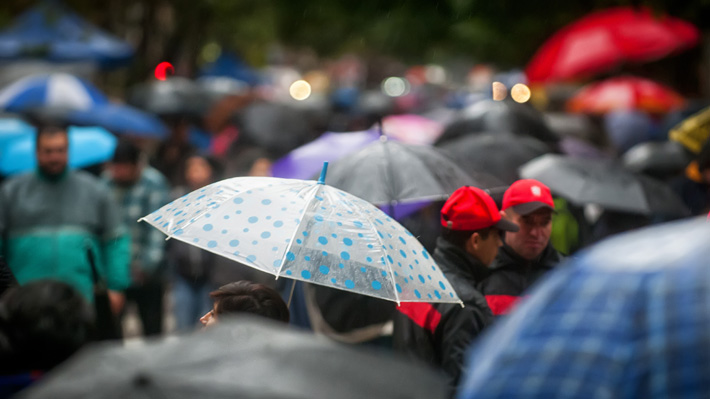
(287, 224)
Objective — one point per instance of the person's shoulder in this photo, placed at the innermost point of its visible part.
(154, 178)
(18, 181)
(86, 181)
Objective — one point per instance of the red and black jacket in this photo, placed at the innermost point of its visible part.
(441, 333)
(512, 275)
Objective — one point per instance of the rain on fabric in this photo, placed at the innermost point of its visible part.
(306, 231)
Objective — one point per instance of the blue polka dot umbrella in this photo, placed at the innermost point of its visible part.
(309, 231)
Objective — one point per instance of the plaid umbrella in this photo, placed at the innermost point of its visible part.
(628, 319)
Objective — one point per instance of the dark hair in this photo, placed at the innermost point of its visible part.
(50, 130)
(248, 297)
(44, 323)
(459, 237)
(126, 152)
(704, 157)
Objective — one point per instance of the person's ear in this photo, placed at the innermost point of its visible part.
(472, 242)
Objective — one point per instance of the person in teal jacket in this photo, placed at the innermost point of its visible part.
(51, 218)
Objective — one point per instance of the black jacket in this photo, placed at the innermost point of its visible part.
(440, 333)
(512, 275)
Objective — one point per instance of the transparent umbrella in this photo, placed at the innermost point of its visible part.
(306, 230)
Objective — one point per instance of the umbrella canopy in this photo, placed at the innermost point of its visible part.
(307, 231)
(412, 129)
(51, 31)
(693, 132)
(657, 159)
(278, 128)
(240, 358)
(306, 161)
(173, 96)
(12, 128)
(625, 93)
(76, 101)
(87, 146)
(387, 172)
(604, 183)
(497, 154)
(229, 65)
(500, 116)
(627, 319)
(57, 90)
(604, 40)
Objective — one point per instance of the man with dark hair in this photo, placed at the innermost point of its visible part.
(440, 333)
(45, 322)
(53, 219)
(139, 190)
(246, 297)
(527, 253)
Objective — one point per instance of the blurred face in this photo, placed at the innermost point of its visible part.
(261, 167)
(53, 153)
(486, 249)
(124, 174)
(210, 318)
(198, 172)
(534, 234)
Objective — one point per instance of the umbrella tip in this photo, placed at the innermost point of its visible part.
(321, 179)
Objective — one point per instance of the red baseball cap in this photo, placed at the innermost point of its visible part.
(470, 208)
(527, 196)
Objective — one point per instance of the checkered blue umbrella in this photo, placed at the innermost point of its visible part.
(308, 231)
(628, 319)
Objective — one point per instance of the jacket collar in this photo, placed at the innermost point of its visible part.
(458, 261)
(548, 259)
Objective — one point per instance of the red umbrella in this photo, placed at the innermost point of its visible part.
(625, 92)
(606, 39)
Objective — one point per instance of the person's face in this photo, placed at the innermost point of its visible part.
(486, 249)
(53, 153)
(198, 172)
(124, 173)
(534, 233)
(210, 318)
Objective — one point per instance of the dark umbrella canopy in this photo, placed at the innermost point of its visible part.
(500, 116)
(497, 154)
(277, 128)
(604, 183)
(388, 171)
(174, 96)
(247, 358)
(627, 319)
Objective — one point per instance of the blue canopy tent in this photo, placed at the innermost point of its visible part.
(53, 32)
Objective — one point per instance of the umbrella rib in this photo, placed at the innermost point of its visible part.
(382, 244)
(295, 231)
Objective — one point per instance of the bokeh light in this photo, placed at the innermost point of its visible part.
(520, 93)
(500, 91)
(395, 86)
(300, 90)
(435, 74)
(163, 70)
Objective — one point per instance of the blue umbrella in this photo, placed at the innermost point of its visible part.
(87, 146)
(78, 102)
(121, 119)
(231, 66)
(51, 31)
(57, 90)
(12, 128)
(628, 319)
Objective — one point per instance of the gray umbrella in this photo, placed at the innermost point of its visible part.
(248, 358)
(387, 172)
(174, 96)
(657, 159)
(607, 184)
(498, 154)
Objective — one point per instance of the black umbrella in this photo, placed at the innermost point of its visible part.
(247, 358)
(388, 172)
(500, 116)
(278, 128)
(497, 154)
(604, 183)
(171, 97)
(660, 159)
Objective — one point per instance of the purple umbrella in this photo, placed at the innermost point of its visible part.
(307, 160)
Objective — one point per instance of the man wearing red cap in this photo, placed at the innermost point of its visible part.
(440, 333)
(526, 254)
